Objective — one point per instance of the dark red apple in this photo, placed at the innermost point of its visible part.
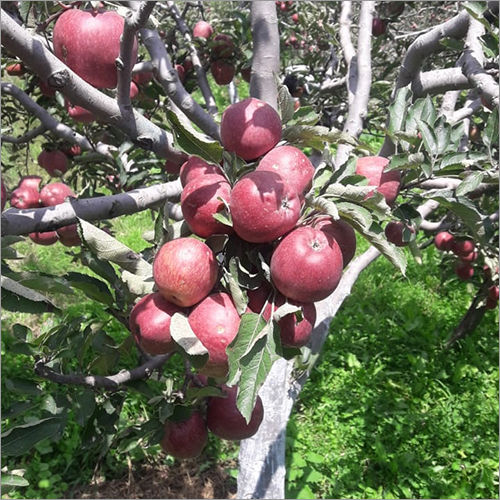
(462, 248)
(464, 270)
(46, 89)
(394, 232)
(444, 241)
(16, 69)
(250, 128)
(46, 238)
(172, 167)
(188, 65)
(200, 200)
(55, 163)
(25, 197)
(388, 183)
(493, 293)
(222, 71)
(55, 193)
(185, 438)
(225, 420)
(79, 114)
(292, 165)
(306, 266)
(202, 29)
(215, 321)
(88, 42)
(142, 77)
(185, 271)
(379, 26)
(222, 47)
(196, 167)
(68, 236)
(342, 232)
(263, 207)
(150, 323)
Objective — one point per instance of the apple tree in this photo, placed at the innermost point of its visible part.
(255, 208)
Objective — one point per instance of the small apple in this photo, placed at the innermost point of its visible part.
(74, 150)
(295, 18)
(54, 193)
(142, 77)
(196, 167)
(185, 271)
(490, 303)
(246, 73)
(79, 114)
(394, 232)
(134, 90)
(462, 248)
(185, 438)
(55, 163)
(181, 72)
(388, 183)
(307, 265)
(222, 71)
(250, 128)
(263, 207)
(188, 65)
(201, 200)
(292, 165)
(68, 236)
(46, 238)
(202, 29)
(149, 323)
(215, 321)
(493, 293)
(443, 241)
(16, 69)
(379, 26)
(342, 232)
(225, 420)
(464, 270)
(88, 42)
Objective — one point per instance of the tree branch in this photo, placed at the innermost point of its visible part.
(439, 81)
(266, 52)
(16, 221)
(28, 136)
(101, 381)
(348, 48)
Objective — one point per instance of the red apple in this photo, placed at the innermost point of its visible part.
(142, 77)
(46, 238)
(493, 293)
(444, 241)
(295, 18)
(462, 248)
(88, 42)
(379, 26)
(46, 89)
(79, 114)
(388, 183)
(186, 438)
(306, 266)
(188, 65)
(470, 257)
(222, 47)
(342, 232)
(31, 182)
(55, 163)
(292, 165)
(225, 420)
(55, 193)
(263, 207)
(222, 72)
(134, 90)
(202, 29)
(464, 270)
(68, 236)
(185, 271)
(215, 321)
(394, 232)
(200, 200)
(196, 167)
(16, 69)
(181, 72)
(74, 150)
(150, 323)
(25, 197)
(250, 128)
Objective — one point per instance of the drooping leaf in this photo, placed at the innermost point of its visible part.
(428, 136)
(183, 335)
(397, 109)
(405, 161)
(470, 182)
(490, 134)
(19, 298)
(92, 287)
(316, 136)
(285, 104)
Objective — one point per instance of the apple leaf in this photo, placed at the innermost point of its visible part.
(397, 110)
(285, 310)
(137, 285)
(193, 142)
(315, 136)
(428, 136)
(183, 335)
(240, 298)
(490, 134)
(255, 367)
(92, 287)
(323, 205)
(110, 249)
(354, 213)
(305, 115)
(13, 480)
(285, 104)
(17, 297)
(405, 161)
(470, 183)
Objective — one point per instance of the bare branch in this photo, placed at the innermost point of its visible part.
(470, 107)
(449, 102)
(144, 66)
(16, 221)
(266, 52)
(28, 136)
(439, 81)
(101, 381)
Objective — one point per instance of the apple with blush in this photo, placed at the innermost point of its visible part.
(185, 438)
(195, 167)
(55, 163)
(388, 183)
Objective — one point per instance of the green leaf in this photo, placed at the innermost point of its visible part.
(240, 298)
(442, 132)
(470, 183)
(490, 134)
(323, 205)
(316, 136)
(183, 335)
(430, 141)
(47, 283)
(305, 115)
(354, 213)
(191, 141)
(405, 161)
(20, 439)
(18, 298)
(84, 406)
(286, 106)
(13, 480)
(428, 111)
(23, 386)
(397, 109)
(194, 394)
(93, 288)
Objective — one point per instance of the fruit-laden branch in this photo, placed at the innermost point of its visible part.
(439, 81)
(201, 75)
(48, 67)
(473, 62)
(27, 137)
(102, 381)
(266, 52)
(167, 75)
(359, 86)
(16, 221)
(133, 22)
(49, 123)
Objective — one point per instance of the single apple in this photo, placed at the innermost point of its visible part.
(388, 183)
(201, 200)
(250, 128)
(215, 321)
(185, 271)
(74, 150)
(79, 114)
(202, 29)
(55, 193)
(181, 72)
(342, 232)
(490, 303)
(222, 71)
(292, 165)
(462, 248)
(222, 47)
(493, 293)
(68, 236)
(25, 197)
(263, 207)
(46, 238)
(188, 65)
(88, 42)
(55, 163)
(443, 241)
(226, 421)
(379, 26)
(196, 167)
(149, 323)
(394, 232)
(307, 265)
(185, 438)
(134, 90)
(246, 73)
(464, 270)
(16, 69)
(295, 18)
